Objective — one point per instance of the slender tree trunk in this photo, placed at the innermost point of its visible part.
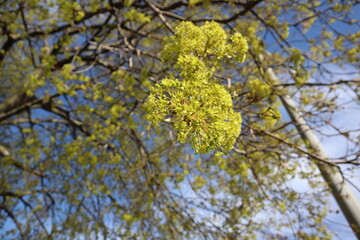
(344, 196)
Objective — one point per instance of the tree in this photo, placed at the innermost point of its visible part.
(80, 158)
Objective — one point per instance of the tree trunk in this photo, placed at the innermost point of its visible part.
(344, 196)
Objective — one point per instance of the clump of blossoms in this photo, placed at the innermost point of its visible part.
(200, 110)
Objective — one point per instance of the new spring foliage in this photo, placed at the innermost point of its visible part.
(200, 109)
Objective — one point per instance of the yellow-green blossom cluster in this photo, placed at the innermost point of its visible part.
(300, 75)
(200, 110)
(136, 16)
(205, 42)
(258, 88)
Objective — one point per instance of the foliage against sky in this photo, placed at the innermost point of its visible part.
(78, 156)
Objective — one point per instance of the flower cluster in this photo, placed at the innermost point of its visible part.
(200, 110)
